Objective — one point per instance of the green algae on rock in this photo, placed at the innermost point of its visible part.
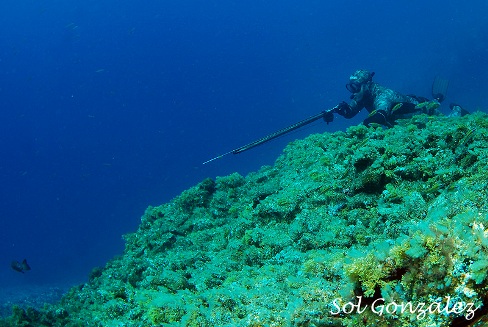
(341, 221)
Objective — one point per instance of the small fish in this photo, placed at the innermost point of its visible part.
(372, 113)
(374, 125)
(71, 26)
(429, 105)
(421, 105)
(20, 266)
(433, 105)
(397, 106)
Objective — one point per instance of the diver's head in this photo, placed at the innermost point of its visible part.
(358, 79)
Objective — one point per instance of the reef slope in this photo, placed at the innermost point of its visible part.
(340, 221)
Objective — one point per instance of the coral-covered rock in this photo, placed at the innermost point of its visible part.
(358, 228)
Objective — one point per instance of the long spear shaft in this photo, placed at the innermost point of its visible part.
(273, 135)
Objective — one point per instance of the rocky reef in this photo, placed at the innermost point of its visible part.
(368, 227)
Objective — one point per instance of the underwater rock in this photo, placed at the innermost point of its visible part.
(358, 228)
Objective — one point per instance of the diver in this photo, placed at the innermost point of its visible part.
(385, 105)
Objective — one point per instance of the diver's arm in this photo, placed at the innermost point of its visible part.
(384, 101)
(348, 110)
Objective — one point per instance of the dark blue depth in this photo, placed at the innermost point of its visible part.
(110, 106)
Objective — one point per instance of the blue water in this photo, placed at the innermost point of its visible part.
(110, 106)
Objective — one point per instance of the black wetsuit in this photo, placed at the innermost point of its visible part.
(379, 102)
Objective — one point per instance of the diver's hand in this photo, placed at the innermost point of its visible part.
(329, 116)
(342, 108)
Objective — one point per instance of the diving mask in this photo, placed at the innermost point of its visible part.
(358, 79)
(353, 87)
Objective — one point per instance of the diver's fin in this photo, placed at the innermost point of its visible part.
(439, 88)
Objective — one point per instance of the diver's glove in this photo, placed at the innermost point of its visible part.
(342, 109)
(329, 116)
